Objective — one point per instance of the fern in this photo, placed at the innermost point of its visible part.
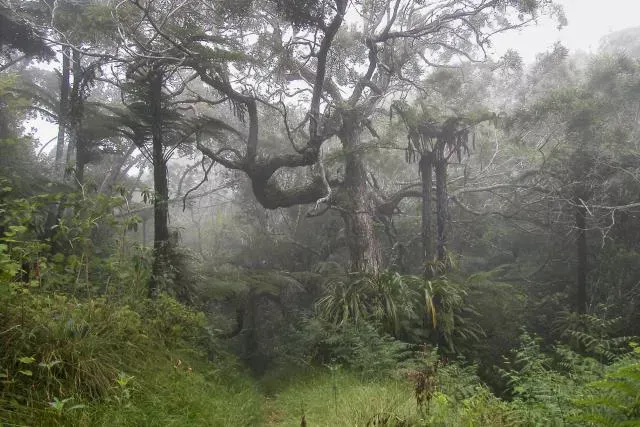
(593, 335)
(616, 397)
(406, 306)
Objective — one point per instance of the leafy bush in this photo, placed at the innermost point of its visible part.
(60, 346)
(357, 347)
(408, 307)
(593, 335)
(175, 324)
(615, 399)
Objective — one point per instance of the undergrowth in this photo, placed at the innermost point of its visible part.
(98, 362)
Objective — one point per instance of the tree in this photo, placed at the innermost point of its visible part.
(585, 133)
(309, 56)
(19, 39)
(436, 140)
(82, 30)
(321, 52)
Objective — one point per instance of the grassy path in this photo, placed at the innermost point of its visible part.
(340, 399)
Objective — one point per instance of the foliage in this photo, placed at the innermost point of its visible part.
(89, 360)
(60, 346)
(82, 341)
(359, 348)
(614, 282)
(615, 399)
(593, 335)
(408, 307)
(326, 398)
(60, 241)
(359, 298)
(565, 386)
(501, 312)
(17, 34)
(340, 398)
(177, 325)
(192, 392)
(541, 392)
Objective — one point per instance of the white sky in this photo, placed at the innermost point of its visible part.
(588, 22)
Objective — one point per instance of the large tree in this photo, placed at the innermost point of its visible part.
(337, 62)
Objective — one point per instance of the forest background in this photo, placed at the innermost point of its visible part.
(305, 212)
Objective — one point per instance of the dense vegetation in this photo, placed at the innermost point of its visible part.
(315, 213)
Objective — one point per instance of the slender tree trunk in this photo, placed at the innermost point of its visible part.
(63, 107)
(581, 246)
(161, 189)
(75, 148)
(75, 110)
(426, 174)
(442, 211)
(358, 208)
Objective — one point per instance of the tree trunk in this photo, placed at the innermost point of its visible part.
(426, 173)
(75, 150)
(581, 246)
(75, 110)
(63, 107)
(357, 206)
(161, 189)
(442, 211)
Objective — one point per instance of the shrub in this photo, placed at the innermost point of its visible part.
(56, 345)
(175, 324)
(408, 307)
(358, 347)
(615, 399)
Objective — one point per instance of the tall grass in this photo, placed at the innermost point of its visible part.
(66, 361)
(334, 398)
(191, 394)
(340, 399)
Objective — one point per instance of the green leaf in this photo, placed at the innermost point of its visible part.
(26, 372)
(27, 360)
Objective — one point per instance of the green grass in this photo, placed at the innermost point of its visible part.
(340, 399)
(347, 399)
(97, 362)
(199, 394)
(94, 362)
(193, 393)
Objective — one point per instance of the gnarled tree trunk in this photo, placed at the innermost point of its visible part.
(356, 204)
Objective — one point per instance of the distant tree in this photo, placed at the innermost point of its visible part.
(587, 132)
(434, 141)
